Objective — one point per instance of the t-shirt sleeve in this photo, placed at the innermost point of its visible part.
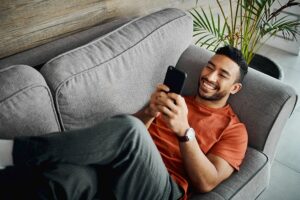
(232, 145)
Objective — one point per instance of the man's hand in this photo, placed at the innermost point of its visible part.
(160, 91)
(174, 110)
(151, 111)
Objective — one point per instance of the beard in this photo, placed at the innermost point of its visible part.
(218, 95)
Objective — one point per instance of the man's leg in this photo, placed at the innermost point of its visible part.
(122, 142)
(61, 181)
(18, 182)
(66, 181)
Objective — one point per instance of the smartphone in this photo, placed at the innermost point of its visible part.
(175, 79)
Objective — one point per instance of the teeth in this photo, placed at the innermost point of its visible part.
(209, 85)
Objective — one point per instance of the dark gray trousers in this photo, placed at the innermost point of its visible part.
(51, 182)
(120, 144)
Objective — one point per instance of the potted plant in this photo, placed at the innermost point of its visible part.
(247, 25)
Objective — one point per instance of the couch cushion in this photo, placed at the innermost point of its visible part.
(250, 181)
(264, 105)
(117, 73)
(26, 105)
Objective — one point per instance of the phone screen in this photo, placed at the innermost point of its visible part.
(175, 79)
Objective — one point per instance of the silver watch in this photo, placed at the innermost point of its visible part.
(189, 135)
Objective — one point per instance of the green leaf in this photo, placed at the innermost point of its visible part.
(246, 25)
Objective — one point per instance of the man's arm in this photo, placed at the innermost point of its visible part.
(205, 171)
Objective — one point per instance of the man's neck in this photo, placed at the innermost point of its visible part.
(212, 104)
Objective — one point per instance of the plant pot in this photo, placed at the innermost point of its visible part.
(266, 66)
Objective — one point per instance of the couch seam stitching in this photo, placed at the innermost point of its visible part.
(254, 175)
(115, 56)
(58, 89)
(32, 86)
(107, 35)
(275, 120)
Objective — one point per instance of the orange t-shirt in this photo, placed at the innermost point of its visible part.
(218, 131)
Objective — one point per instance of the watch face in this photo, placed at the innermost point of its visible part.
(189, 135)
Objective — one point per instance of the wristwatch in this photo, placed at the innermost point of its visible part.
(188, 136)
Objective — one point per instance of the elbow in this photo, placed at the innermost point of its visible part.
(205, 187)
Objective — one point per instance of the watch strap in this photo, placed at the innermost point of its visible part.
(184, 138)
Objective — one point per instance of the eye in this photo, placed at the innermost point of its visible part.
(223, 75)
(210, 67)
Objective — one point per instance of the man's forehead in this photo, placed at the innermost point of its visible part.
(223, 62)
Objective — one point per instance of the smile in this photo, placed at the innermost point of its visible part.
(209, 85)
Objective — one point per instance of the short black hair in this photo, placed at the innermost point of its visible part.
(237, 56)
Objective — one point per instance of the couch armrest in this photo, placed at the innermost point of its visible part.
(264, 104)
(26, 104)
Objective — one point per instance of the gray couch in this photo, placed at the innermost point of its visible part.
(116, 70)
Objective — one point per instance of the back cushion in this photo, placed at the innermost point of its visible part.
(26, 105)
(116, 73)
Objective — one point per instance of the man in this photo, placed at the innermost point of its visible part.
(198, 143)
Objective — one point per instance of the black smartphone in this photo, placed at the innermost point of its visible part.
(175, 79)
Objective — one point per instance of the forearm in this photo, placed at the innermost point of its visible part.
(201, 171)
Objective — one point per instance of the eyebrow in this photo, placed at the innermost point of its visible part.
(223, 70)
(209, 62)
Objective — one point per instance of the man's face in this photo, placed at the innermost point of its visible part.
(218, 79)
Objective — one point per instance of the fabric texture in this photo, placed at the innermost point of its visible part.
(218, 131)
(26, 105)
(66, 181)
(122, 143)
(116, 73)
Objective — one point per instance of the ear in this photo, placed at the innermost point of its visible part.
(235, 88)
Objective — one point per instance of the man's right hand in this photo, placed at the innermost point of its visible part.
(150, 112)
(160, 92)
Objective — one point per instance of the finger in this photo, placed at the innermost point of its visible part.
(165, 110)
(161, 96)
(156, 96)
(178, 99)
(169, 103)
(162, 87)
(163, 99)
(153, 109)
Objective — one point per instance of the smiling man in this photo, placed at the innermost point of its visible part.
(200, 138)
(194, 144)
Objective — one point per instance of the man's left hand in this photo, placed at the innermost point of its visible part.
(175, 112)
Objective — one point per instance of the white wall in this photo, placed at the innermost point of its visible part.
(291, 46)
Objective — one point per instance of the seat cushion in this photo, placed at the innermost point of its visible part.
(116, 73)
(26, 105)
(247, 183)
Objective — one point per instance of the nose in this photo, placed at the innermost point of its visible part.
(212, 76)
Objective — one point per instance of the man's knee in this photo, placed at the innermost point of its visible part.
(134, 131)
(131, 122)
